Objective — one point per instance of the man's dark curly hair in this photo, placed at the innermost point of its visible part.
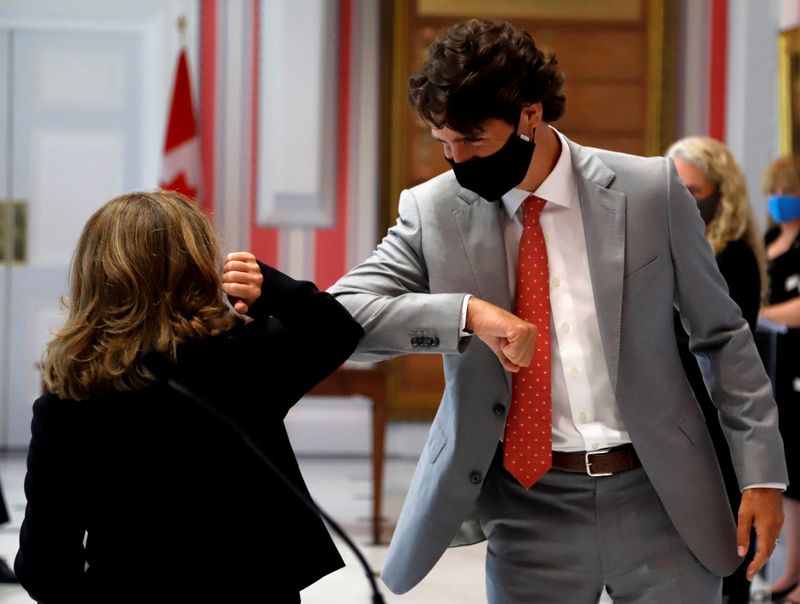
(482, 69)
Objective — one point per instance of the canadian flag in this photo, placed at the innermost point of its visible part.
(181, 168)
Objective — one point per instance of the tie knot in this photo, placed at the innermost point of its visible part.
(531, 209)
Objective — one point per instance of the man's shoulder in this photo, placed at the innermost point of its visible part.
(443, 186)
(620, 161)
(630, 172)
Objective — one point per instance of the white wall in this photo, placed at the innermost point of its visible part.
(693, 53)
(752, 124)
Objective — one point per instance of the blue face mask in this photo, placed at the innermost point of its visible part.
(784, 208)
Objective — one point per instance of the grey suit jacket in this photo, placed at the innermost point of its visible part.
(647, 252)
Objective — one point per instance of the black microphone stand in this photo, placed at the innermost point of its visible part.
(162, 367)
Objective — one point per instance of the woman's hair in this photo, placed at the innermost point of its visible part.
(145, 274)
(481, 69)
(783, 174)
(734, 218)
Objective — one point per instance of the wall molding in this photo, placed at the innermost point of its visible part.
(298, 84)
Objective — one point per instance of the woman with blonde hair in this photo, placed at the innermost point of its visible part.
(714, 178)
(137, 494)
(782, 184)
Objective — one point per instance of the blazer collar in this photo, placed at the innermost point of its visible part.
(467, 196)
(589, 166)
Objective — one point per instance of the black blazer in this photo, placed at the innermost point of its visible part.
(175, 508)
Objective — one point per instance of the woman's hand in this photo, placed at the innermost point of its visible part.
(241, 280)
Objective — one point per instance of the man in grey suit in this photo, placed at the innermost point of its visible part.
(580, 454)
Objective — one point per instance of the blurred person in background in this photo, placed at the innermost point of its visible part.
(782, 184)
(714, 178)
(136, 493)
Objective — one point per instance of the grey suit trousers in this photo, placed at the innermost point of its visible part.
(569, 535)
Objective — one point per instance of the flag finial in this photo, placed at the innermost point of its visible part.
(182, 23)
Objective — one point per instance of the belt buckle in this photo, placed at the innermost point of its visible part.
(589, 463)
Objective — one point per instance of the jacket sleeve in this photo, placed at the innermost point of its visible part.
(298, 337)
(51, 558)
(721, 340)
(389, 295)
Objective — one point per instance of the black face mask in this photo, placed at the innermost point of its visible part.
(708, 206)
(498, 173)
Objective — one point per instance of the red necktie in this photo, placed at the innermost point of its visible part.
(527, 445)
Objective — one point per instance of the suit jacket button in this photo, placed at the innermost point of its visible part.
(475, 478)
(414, 342)
(499, 410)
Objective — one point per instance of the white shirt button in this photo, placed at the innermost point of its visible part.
(583, 417)
(574, 372)
(556, 282)
(595, 446)
(565, 328)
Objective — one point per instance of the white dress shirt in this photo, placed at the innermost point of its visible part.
(585, 412)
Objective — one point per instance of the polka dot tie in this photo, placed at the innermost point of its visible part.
(527, 445)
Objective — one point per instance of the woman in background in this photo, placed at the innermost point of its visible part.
(782, 183)
(712, 175)
(137, 494)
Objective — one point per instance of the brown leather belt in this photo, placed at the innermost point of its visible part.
(604, 462)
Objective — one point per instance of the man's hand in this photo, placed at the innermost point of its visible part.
(509, 337)
(762, 509)
(241, 280)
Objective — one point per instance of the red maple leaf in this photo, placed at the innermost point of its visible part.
(181, 185)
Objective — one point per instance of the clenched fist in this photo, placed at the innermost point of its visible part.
(241, 280)
(510, 338)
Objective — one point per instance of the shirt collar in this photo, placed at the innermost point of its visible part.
(558, 188)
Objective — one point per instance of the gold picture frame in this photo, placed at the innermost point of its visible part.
(789, 90)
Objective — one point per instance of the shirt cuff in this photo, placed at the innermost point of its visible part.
(767, 485)
(463, 323)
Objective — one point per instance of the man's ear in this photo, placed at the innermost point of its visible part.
(530, 117)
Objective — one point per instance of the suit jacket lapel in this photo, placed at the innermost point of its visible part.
(482, 235)
(603, 213)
